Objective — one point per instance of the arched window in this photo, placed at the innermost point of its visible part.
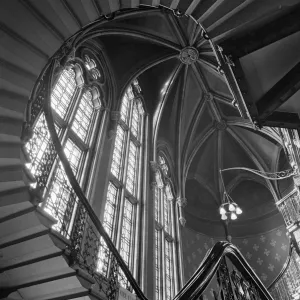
(165, 246)
(74, 117)
(123, 198)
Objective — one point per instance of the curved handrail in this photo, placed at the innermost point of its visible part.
(209, 266)
(76, 187)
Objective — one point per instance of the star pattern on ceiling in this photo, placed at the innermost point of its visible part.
(266, 253)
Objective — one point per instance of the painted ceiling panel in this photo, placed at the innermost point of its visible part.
(205, 121)
(265, 253)
(234, 156)
(205, 161)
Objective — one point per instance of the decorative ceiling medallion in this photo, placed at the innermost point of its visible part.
(189, 55)
(220, 125)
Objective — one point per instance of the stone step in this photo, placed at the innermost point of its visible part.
(26, 226)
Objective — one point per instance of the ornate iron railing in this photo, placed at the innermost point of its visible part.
(235, 278)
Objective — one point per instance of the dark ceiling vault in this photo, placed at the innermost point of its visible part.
(195, 118)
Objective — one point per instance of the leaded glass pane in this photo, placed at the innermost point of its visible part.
(61, 198)
(131, 169)
(110, 209)
(83, 116)
(38, 144)
(135, 121)
(60, 201)
(108, 224)
(118, 153)
(125, 108)
(169, 271)
(126, 237)
(63, 92)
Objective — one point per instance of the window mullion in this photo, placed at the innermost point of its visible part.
(123, 180)
(75, 103)
(137, 227)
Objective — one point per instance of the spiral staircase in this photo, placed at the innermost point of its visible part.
(33, 259)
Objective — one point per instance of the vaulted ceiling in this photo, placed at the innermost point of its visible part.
(195, 120)
(192, 114)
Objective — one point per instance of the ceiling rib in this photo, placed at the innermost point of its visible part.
(205, 185)
(178, 168)
(177, 30)
(162, 105)
(192, 127)
(198, 143)
(220, 162)
(255, 158)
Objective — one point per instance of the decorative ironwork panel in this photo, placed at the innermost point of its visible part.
(63, 92)
(83, 116)
(131, 169)
(60, 201)
(117, 159)
(42, 152)
(224, 281)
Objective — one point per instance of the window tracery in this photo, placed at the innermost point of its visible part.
(74, 118)
(126, 161)
(92, 67)
(164, 239)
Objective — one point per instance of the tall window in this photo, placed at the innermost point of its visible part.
(164, 235)
(120, 217)
(74, 116)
